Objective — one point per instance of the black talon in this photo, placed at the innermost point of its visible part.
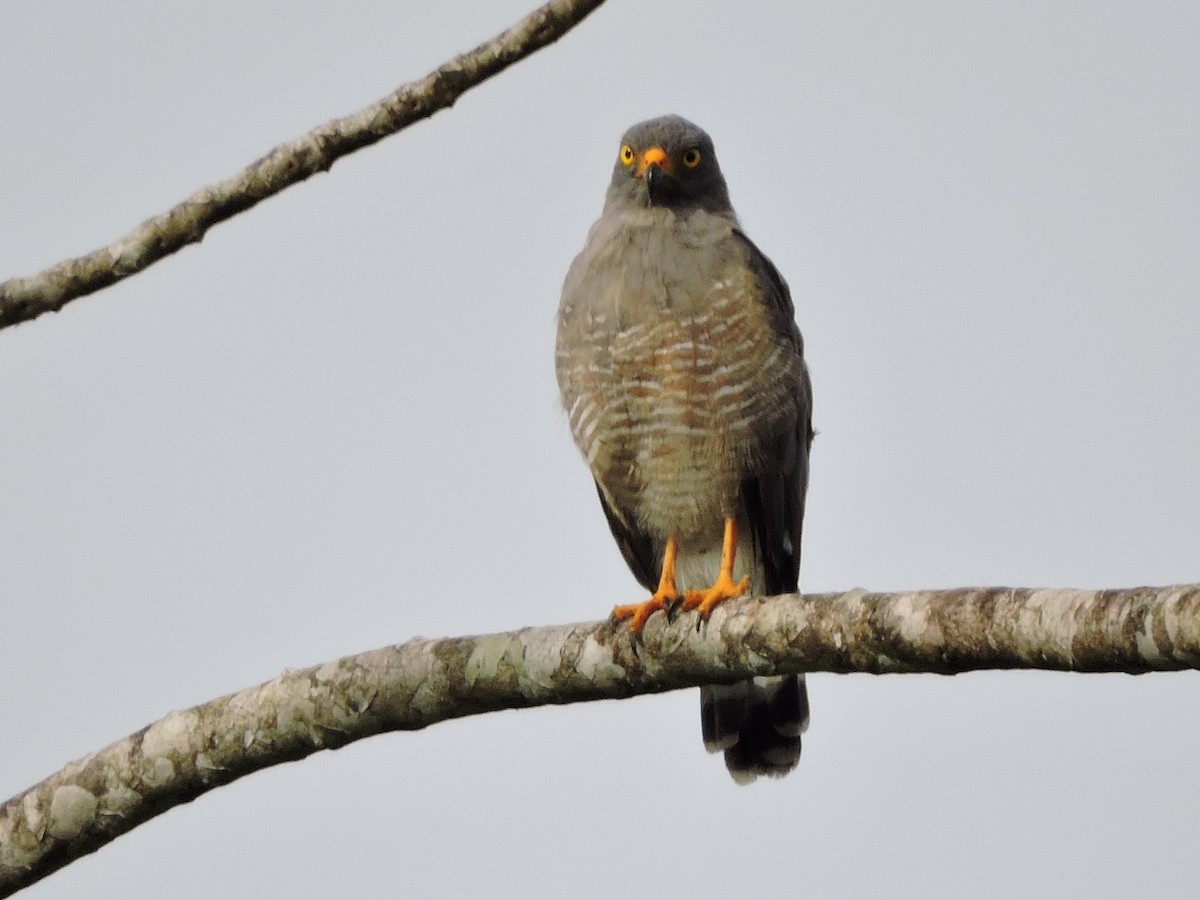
(671, 607)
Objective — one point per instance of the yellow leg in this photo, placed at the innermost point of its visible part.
(666, 593)
(724, 588)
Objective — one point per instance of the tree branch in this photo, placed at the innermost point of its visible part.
(422, 682)
(22, 299)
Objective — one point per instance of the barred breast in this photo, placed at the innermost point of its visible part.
(675, 378)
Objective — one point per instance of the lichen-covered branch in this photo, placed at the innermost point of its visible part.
(422, 682)
(26, 298)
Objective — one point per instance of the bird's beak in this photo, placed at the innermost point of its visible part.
(655, 157)
(654, 182)
(653, 167)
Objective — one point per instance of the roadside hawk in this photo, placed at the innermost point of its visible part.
(682, 373)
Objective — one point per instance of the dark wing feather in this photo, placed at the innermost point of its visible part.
(758, 723)
(643, 553)
(775, 502)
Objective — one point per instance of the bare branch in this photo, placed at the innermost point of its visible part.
(22, 299)
(422, 682)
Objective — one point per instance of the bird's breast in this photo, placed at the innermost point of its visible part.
(672, 376)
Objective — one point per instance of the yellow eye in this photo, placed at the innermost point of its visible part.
(691, 158)
(627, 155)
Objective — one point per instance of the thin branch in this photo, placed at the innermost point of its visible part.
(422, 682)
(22, 299)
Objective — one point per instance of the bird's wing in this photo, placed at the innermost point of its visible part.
(642, 551)
(758, 723)
(775, 501)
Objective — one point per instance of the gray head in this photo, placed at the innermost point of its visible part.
(668, 162)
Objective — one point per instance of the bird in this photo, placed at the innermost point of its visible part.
(681, 371)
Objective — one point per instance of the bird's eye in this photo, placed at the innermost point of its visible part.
(691, 158)
(627, 155)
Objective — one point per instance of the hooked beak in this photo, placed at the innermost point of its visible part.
(654, 182)
(654, 166)
(656, 157)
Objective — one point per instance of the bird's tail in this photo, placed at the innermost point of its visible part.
(757, 723)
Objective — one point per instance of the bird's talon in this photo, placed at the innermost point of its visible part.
(637, 613)
(724, 588)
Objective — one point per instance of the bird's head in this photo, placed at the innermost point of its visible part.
(668, 162)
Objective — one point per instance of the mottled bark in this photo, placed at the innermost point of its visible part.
(27, 298)
(416, 684)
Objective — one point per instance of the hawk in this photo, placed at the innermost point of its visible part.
(682, 373)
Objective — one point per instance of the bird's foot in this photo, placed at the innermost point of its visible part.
(724, 588)
(638, 613)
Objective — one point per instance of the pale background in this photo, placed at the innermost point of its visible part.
(333, 425)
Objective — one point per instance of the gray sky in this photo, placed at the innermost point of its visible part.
(334, 425)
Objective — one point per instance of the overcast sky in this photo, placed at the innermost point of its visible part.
(334, 425)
